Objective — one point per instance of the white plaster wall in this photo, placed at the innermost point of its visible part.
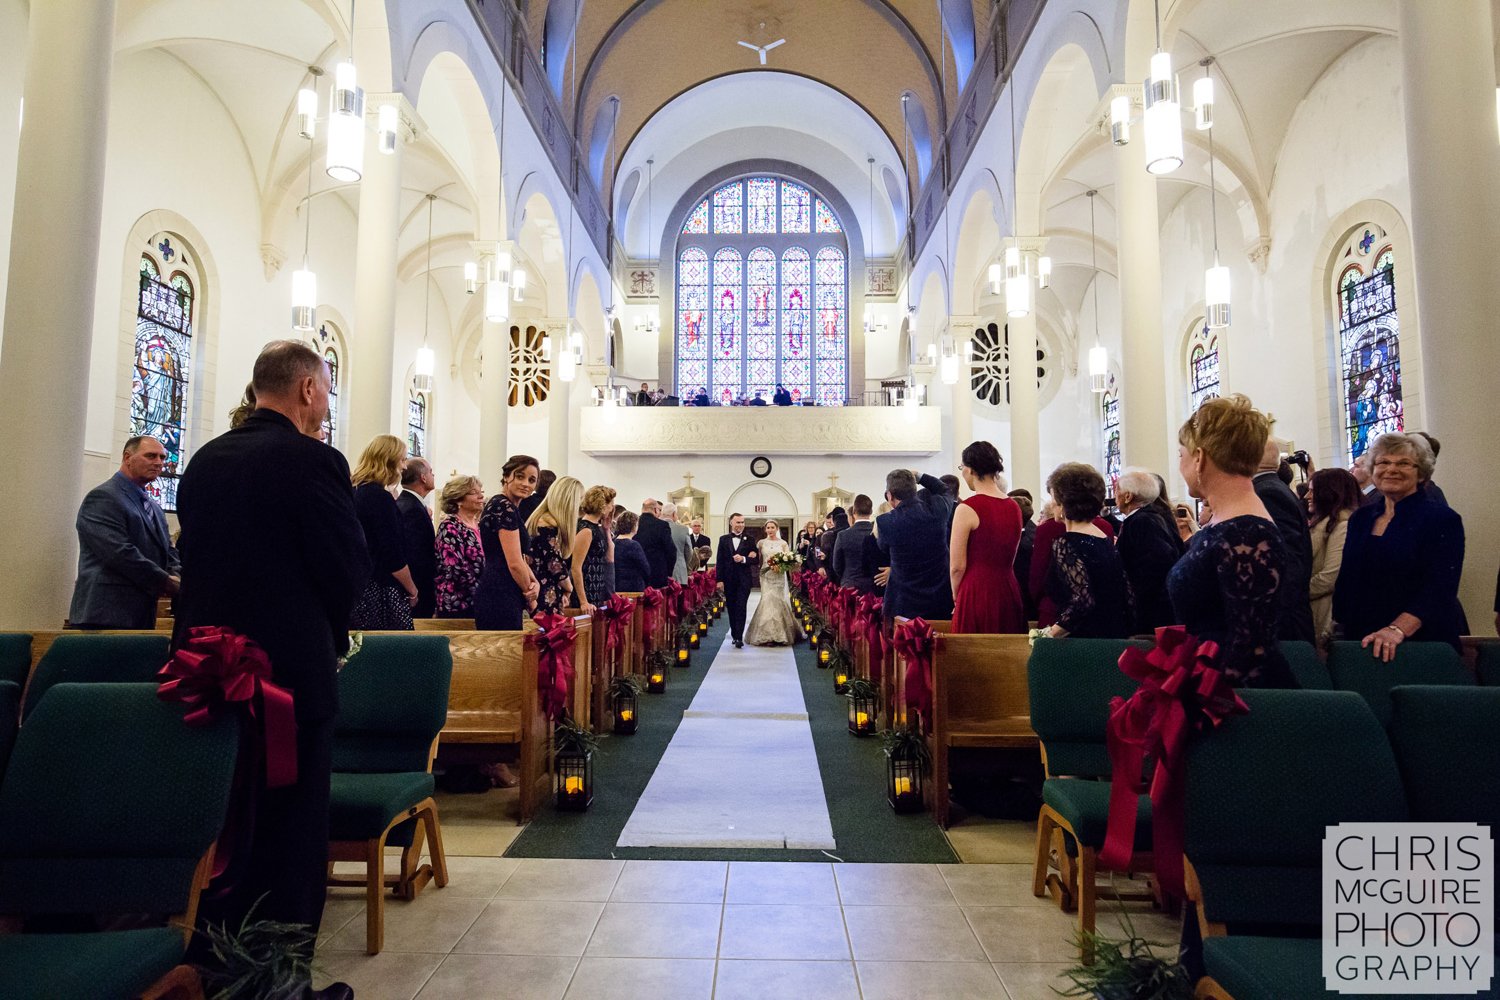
(12, 78)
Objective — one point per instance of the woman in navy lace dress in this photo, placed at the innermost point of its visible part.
(1085, 577)
(1227, 586)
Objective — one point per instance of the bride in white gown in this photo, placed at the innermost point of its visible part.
(773, 624)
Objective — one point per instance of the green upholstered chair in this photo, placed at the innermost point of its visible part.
(87, 658)
(133, 833)
(1307, 666)
(1487, 662)
(15, 657)
(1354, 669)
(393, 701)
(1261, 789)
(10, 719)
(1444, 739)
(1071, 683)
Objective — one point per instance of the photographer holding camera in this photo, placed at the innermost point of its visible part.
(1291, 520)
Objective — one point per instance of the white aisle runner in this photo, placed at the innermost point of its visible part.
(741, 770)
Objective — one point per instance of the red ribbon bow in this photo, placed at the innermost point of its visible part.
(915, 642)
(870, 623)
(1181, 692)
(615, 614)
(217, 668)
(554, 661)
(651, 599)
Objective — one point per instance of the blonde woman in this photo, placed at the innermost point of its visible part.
(460, 553)
(390, 595)
(598, 544)
(556, 551)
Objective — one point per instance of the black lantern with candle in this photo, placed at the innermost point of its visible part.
(624, 695)
(907, 758)
(573, 765)
(656, 670)
(863, 701)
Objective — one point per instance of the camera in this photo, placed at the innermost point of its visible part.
(1301, 458)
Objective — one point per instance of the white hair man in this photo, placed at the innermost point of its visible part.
(1147, 544)
(682, 542)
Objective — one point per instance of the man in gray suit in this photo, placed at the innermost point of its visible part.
(125, 555)
(682, 544)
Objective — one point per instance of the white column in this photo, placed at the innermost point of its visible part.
(961, 334)
(373, 393)
(1025, 459)
(558, 400)
(494, 381)
(1143, 395)
(59, 191)
(1448, 87)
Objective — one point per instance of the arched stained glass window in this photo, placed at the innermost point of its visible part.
(331, 422)
(762, 299)
(1202, 368)
(1369, 338)
(163, 361)
(1109, 414)
(416, 424)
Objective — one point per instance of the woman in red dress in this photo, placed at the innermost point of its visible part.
(982, 549)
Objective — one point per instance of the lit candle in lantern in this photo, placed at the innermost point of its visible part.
(823, 655)
(841, 679)
(861, 719)
(656, 678)
(903, 786)
(573, 786)
(626, 715)
(682, 656)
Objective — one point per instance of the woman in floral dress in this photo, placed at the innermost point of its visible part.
(460, 554)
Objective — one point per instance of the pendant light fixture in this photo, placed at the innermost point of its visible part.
(1098, 357)
(346, 118)
(1216, 278)
(471, 277)
(498, 269)
(518, 283)
(385, 128)
(426, 361)
(304, 281)
(1017, 279)
(1163, 111)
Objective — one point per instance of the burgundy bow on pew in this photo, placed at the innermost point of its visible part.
(615, 614)
(915, 642)
(216, 669)
(554, 661)
(869, 619)
(1181, 692)
(651, 599)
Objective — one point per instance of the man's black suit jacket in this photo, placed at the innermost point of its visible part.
(281, 561)
(735, 576)
(1145, 544)
(1291, 520)
(655, 536)
(421, 551)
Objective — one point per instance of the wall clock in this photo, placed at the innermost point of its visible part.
(760, 467)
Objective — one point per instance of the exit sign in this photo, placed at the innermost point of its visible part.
(760, 508)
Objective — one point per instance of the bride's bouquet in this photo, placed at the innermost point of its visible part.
(784, 562)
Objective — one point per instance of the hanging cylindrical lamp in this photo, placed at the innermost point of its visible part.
(422, 369)
(1098, 358)
(425, 362)
(1043, 272)
(1203, 103)
(1163, 118)
(497, 288)
(567, 359)
(307, 112)
(1098, 365)
(385, 127)
(346, 126)
(1017, 284)
(304, 299)
(948, 368)
(518, 283)
(996, 277)
(1216, 295)
(471, 277)
(1119, 119)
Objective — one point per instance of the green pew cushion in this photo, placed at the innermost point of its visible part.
(363, 805)
(15, 656)
(1275, 968)
(110, 965)
(1085, 804)
(1260, 895)
(1307, 667)
(91, 658)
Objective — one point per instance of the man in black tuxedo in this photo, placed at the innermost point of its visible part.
(735, 564)
(418, 534)
(1291, 520)
(1145, 542)
(283, 567)
(913, 539)
(848, 563)
(655, 536)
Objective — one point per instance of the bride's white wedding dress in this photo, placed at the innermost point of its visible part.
(773, 624)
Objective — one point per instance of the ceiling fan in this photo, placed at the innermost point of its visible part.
(763, 49)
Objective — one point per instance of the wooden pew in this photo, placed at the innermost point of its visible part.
(893, 674)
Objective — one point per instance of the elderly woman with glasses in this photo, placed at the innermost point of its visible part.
(1402, 558)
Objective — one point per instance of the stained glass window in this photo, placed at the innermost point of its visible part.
(697, 222)
(1203, 368)
(159, 377)
(729, 207)
(1370, 354)
(759, 303)
(989, 364)
(416, 424)
(1110, 421)
(331, 422)
(760, 202)
(530, 374)
(796, 208)
(827, 221)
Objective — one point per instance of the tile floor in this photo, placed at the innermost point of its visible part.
(682, 930)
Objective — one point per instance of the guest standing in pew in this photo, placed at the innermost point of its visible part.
(391, 593)
(598, 543)
(849, 563)
(982, 549)
(1022, 565)
(284, 568)
(1167, 513)
(655, 536)
(459, 551)
(544, 481)
(1333, 496)
(507, 587)
(701, 543)
(1290, 517)
(1227, 587)
(913, 543)
(1402, 559)
(125, 555)
(417, 484)
(1086, 580)
(556, 549)
(632, 568)
(829, 539)
(684, 561)
(1048, 531)
(1148, 544)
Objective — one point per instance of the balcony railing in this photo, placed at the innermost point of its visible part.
(506, 33)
